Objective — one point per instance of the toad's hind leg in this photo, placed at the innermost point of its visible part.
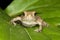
(15, 19)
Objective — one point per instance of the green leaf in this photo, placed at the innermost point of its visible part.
(10, 32)
(49, 10)
(4, 27)
(40, 6)
(18, 6)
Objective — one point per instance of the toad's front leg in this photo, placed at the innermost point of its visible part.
(39, 22)
(40, 27)
(15, 19)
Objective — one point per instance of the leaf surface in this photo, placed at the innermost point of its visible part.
(49, 10)
(10, 32)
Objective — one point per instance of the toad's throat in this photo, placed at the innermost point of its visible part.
(29, 24)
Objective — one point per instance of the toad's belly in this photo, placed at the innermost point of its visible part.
(29, 24)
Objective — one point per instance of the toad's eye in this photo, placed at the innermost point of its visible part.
(35, 13)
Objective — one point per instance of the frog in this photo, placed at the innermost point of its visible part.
(29, 19)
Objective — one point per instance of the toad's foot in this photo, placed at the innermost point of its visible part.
(37, 30)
